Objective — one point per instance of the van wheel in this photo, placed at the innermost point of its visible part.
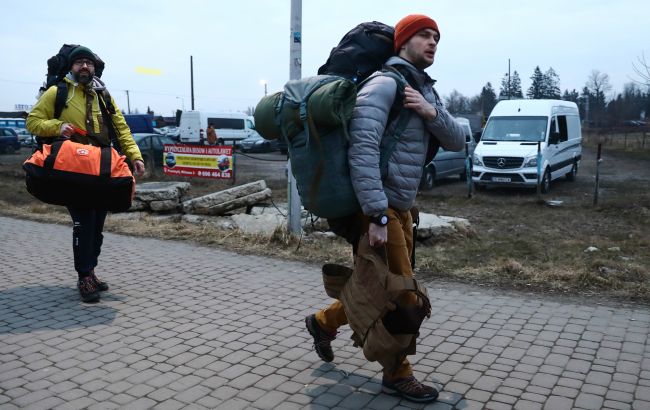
(428, 179)
(571, 176)
(546, 181)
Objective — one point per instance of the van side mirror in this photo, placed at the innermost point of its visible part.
(554, 138)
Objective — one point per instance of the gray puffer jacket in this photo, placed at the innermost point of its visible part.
(368, 130)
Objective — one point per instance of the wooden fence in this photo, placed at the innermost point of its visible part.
(618, 138)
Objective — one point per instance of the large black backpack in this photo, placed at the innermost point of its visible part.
(58, 67)
(361, 52)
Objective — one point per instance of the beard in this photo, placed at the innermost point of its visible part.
(83, 77)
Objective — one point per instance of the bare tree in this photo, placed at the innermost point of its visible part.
(642, 69)
(457, 103)
(598, 83)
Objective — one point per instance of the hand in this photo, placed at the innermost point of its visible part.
(66, 130)
(415, 101)
(138, 168)
(377, 235)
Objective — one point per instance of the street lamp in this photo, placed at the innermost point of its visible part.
(264, 83)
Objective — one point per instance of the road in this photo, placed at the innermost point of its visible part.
(187, 326)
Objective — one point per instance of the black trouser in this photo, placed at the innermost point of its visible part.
(87, 237)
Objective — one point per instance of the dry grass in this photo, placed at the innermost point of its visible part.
(513, 242)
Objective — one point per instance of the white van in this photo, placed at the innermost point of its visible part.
(230, 127)
(507, 153)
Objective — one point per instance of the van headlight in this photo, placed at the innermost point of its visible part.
(531, 162)
(477, 160)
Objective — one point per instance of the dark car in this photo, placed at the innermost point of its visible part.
(151, 147)
(9, 142)
(255, 143)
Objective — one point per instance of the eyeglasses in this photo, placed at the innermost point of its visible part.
(80, 63)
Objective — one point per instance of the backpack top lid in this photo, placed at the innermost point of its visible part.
(361, 52)
(59, 65)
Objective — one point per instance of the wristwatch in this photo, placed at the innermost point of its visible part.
(379, 219)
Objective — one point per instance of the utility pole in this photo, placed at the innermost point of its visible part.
(192, 80)
(295, 68)
(128, 102)
(509, 86)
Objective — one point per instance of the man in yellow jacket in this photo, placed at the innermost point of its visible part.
(82, 111)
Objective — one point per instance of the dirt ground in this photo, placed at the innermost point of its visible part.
(514, 241)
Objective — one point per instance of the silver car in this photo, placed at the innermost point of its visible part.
(449, 163)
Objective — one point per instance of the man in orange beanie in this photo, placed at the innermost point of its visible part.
(387, 195)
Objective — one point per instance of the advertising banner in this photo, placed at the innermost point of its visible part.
(199, 161)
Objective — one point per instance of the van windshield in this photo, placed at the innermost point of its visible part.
(515, 129)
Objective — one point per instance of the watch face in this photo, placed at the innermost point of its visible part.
(384, 220)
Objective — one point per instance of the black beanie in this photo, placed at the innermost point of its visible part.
(81, 52)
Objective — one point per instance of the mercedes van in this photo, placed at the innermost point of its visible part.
(230, 127)
(507, 154)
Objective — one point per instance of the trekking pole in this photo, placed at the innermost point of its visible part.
(598, 161)
(539, 171)
(468, 171)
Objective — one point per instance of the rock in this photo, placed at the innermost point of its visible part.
(159, 196)
(224, 222)
(591, 249)
(258, 224)
(221, 202)
(137, 205)
(165, 205)
(614, 249)
(161, 191)
(434, 225)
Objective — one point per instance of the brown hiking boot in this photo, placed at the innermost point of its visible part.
(101, 285)
(322, 339)
(409, 388)
(88, 290)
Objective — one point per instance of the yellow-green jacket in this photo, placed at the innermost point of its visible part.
(41, 119)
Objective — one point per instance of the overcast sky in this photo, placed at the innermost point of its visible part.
(236, 44)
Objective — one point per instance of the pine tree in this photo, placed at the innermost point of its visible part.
(537, 87)
(551, 87)
(488, 99)
(515, 86)
(512, 89)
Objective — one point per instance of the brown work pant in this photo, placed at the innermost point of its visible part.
(398, 252)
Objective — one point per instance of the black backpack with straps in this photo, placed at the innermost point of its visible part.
(58, 67)
(362, 51)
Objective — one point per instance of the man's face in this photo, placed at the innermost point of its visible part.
(421, 49)
(83, 70)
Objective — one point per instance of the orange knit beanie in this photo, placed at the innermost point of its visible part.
(411, 24)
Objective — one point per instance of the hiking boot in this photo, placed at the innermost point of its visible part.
(322, 339)
(88, 290)
(101, 286)
(409, 388)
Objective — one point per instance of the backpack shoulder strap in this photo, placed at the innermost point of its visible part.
(397, 113)
(61, 97)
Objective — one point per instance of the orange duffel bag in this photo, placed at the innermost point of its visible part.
(80, 176)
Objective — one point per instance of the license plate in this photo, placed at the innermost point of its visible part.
(501, 179)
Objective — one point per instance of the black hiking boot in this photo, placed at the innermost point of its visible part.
(88, 290)
(322, 339)
(101, 285)
(409, 388)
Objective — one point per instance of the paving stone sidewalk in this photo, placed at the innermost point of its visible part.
(187, 326)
